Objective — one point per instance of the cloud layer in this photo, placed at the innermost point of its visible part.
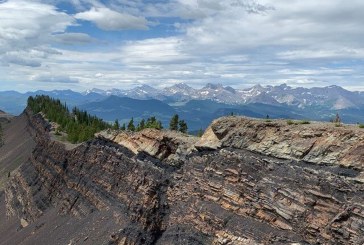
(110, 20)
(236, 42)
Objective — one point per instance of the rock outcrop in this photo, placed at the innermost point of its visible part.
(319, 143)
(123, 189)
(170, 146)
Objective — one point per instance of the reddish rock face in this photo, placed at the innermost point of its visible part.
(226, 195)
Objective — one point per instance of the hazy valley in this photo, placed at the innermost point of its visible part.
(200, 106)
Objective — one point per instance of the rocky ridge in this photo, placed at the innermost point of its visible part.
(165, 145)
(333, 96)
(319, 143)
(226, 191)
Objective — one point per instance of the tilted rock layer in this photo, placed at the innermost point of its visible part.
(320, 143)
(165, 145)
(231, 195)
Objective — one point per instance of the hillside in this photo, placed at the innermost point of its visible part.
(125, 108)
(18, 145)
(244, 182)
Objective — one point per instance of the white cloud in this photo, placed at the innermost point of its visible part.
(235, 42)
(321, 53)
(155, 51)
(110, 20)
(26, 28)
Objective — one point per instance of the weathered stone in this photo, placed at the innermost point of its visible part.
(320, 143)
(231, 195)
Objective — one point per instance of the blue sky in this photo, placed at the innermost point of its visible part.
(83, 44)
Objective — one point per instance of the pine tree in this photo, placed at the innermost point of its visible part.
(159, 125)
(173, 124)
(116, 125)
(123, 127)
(141, 125)
(152, 122)
(131, 126)
(182, 126)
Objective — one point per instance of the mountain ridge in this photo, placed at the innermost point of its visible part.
(255, 94)
(150, 188)
(282, 101)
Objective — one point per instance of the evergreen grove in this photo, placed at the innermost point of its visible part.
(177, 124)
(151, 122)
(79, 125)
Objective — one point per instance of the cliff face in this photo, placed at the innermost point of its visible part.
(319, 143)
(170, 146)
(18, 145)
(126, 193)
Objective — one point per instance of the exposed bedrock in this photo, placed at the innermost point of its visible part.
(321, 143)
(238, 193)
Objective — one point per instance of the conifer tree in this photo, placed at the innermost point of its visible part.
(116, 125)
(173, 124)
(131, 126)
(141, 125)
(182, 126)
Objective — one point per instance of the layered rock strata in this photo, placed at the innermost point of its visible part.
(320, 143)
(165, 145)
(231, 195)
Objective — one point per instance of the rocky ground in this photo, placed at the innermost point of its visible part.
(18, 145)
(244, 182)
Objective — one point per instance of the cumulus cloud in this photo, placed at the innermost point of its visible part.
(26, 31)
(110, 20)
(237, 42)
(29, 57)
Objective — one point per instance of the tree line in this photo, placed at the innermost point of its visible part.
(151, 122)
(78, 124)
(175, 124)
(81, 126)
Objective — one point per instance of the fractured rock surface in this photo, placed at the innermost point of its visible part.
(104, 192)
(320, 143)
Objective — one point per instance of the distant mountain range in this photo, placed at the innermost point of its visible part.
(333, 97)
(199, 106)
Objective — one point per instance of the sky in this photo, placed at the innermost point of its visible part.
(84, 44)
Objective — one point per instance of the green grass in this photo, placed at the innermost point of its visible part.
(361, 125)
(304, 122)
(291, 122)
